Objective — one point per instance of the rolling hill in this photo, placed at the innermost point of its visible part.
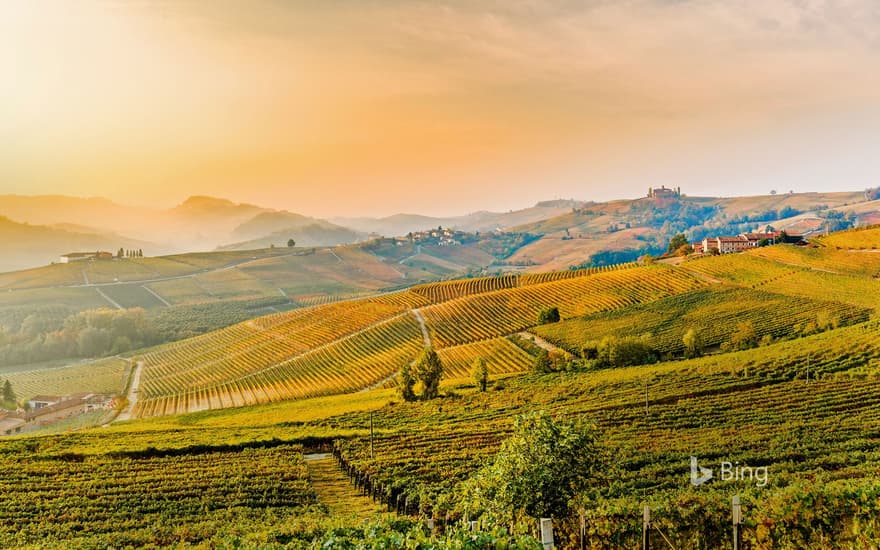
(21, 243)
(401, 224)
(264, 394)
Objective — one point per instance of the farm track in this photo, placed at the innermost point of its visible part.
(132, 393)
(334, 489)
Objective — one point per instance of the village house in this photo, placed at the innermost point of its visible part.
(81, 256)
(40, 401)
(729, 244)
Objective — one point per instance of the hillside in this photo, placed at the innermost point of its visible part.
(401, 224)
(20, 243)
(622, 230)
(804, 404)
(199, 223)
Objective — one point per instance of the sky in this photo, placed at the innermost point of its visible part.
(370, 107)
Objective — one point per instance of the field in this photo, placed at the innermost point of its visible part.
(154, 498)
(308, 352)
(713, 313)
(808, 409)
(255, 394)
(104, 376)
(861, 239)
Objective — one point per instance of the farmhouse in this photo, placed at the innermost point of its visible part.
(40, 401)
(81, 256)
(739, 243)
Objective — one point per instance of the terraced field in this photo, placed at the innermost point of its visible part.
(347, 346)
(508, 311)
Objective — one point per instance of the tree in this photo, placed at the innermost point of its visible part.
(624, 352)
(542, 361)
(405, 383)
(537, 473)
(548, 315)
(120, 253)
(745, 336)
(480, 373)
(8, 394)
(693, 344)
(676, 242)
(429, 371)
(291, 243)
(140, 253)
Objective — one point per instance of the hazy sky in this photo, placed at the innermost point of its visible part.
(345, 107)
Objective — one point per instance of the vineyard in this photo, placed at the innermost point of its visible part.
(807, 406)
(144, 500)
(714, 314)
(854, 239)
(507, 311)
(354, 344)
(103, 376)
(809, 410)
(863, 263)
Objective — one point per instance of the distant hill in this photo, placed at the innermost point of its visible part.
(268, 227)
(622, 230)
(401, 224)
(23, 245)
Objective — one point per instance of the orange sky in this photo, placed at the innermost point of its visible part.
(370, 108)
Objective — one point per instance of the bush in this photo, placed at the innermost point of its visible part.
(549, 315)
(624, 352)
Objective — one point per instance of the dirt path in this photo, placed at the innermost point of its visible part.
(702, 276)
(541, 343)
(334, 490)
(417, 313)
(132, 393)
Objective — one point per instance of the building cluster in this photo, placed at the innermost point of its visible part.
(726, 244)
(439, 237)
(83, 256)
(45, 410)
(663, 193)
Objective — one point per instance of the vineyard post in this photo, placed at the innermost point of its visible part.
(547, 533)
(646, 397)
(583, 528)
(646, 527)
(371, 435)
(737, 521)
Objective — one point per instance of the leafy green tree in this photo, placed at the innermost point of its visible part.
(548, 315)
(624, 352)
(480, 373)
(542, 361)
(291, 243)
(693, 344)
(429, 371)
(406, 383)
(676, 242)
(538, 471)
(8, 393)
